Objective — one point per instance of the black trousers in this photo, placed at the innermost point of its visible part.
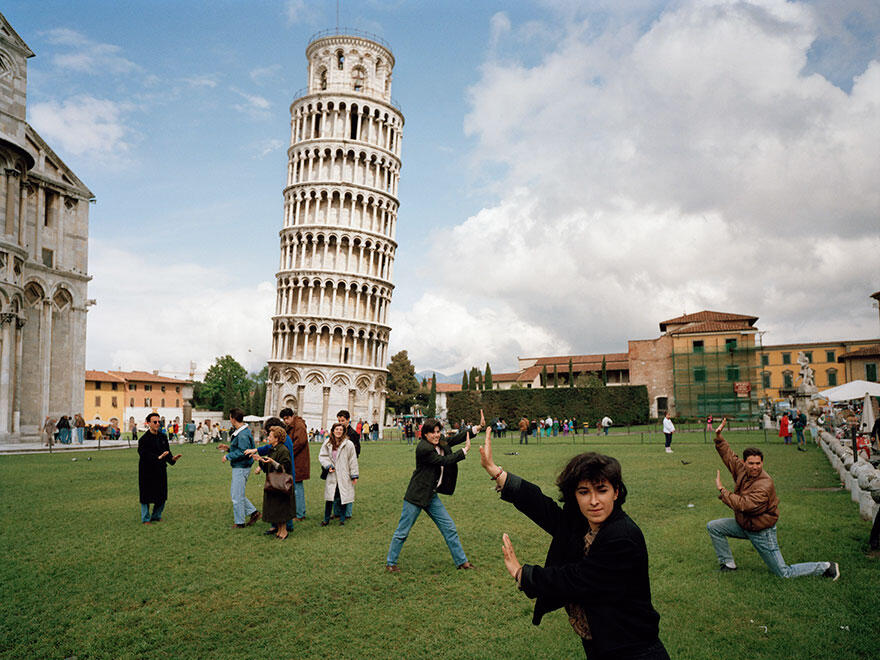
(875, 532)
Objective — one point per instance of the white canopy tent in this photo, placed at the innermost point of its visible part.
(856, 389)
(254, 418)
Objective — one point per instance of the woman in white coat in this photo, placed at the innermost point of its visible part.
(339, 460)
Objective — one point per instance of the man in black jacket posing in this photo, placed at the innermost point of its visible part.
(436, 472)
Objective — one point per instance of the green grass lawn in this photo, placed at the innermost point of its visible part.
(82, 577)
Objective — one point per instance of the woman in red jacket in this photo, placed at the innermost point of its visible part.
(784, 431)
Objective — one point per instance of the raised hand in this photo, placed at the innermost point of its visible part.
(510, 561)
(486, 459)
(720, 427)
(718, 483)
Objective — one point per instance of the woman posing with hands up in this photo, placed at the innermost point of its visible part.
(597, 564)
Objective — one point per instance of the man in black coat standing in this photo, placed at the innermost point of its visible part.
(344, 417)
(155, 456)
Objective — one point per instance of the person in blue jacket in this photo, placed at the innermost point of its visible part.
(244, 513)
(264, 451)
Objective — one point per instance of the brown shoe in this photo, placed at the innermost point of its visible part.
(255, 516)
(391, 568)
(238, 526)
(466, 566)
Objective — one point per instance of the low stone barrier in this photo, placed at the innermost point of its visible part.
(858, 476)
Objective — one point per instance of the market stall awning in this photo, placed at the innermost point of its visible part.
(856, 389)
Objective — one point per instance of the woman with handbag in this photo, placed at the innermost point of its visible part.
(278, 498)
(339, 460)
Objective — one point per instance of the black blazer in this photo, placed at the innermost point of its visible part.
(611, 582)
(423, 483)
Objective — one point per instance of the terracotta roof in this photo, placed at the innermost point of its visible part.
(449, 387)
(867, 351)
(147, 377)
(583, 359)
(528, 375)
(506, 377)
(103, 377)
(711, 326)
(707, 315)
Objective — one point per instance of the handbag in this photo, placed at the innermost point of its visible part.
(324, 472)
(278, 482)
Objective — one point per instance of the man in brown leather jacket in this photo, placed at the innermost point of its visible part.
(756, 510)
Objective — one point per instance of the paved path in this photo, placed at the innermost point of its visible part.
(36, 447)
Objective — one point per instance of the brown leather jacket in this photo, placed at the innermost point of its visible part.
(753, 500)
(299, 436)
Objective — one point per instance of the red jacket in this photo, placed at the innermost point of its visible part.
(783, 427)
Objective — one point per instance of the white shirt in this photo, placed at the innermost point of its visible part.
(668, 426)
(606, 421)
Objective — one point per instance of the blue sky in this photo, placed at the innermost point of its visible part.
(573, 173)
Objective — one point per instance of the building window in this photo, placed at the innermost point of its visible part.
(830, 356)
(698, 345)
(340, 59)
(113, 386)
(177, 389)
(148, 401)
(699, 374)
(113, 402)
(786, 380)
(97, 402)
(162, 403)
(732, 373)
(323, 82)
(131, 402)
(871, 372)
(765, 359)
(765, 380)
(163, 387)
(832, 377)
(730, 345)
(132, 387)
(786, 358)
(148, 388)
(97, 386)
(48, 258)
(808, 355)
(357, 79)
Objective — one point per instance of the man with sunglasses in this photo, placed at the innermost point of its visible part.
(154, 459)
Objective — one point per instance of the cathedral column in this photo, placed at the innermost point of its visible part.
(16, 387)
(7, 322)
(11, 188)
(295, 334)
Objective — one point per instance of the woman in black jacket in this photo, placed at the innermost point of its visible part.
(597, 564)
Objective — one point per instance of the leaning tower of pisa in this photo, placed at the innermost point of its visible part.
(330, 328)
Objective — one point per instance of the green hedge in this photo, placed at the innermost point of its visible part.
(627, 404)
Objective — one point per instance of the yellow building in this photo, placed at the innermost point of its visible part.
(105, 396)
(780, 371)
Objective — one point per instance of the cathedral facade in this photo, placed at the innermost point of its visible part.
(44, 217)
(330, 328)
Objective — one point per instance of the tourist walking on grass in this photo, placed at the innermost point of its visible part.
(436, 472)
(63, 427)
(597, 563)
(668, 430)
(524, 431)
(606, 423)
(338, 459)
(278, 507)
(800, 423)
(756, 509)
(80, 425)
(154, 457)
(784, 431)
(299, 437)
(244, 513)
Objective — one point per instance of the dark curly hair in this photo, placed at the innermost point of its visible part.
(594, 468)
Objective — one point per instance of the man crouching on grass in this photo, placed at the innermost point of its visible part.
(756, 510)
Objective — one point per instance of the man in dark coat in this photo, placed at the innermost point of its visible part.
(344, 417)
(298, 434)
(155, 456)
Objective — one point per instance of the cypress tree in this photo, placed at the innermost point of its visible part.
(544, 376)
(464, 381)
(555, 376)
(487, 379)
(432, 397)
(604, 372)
(570, 374)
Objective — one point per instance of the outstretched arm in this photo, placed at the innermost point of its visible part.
(496, 473)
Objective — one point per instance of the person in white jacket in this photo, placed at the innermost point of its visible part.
(339, 459)
(668, 430)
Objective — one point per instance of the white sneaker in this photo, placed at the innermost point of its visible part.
(669, 450)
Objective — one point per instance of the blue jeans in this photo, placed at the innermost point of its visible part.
(158, 508)
(300, 494)
(800, 436)
(80, 434)
(241, 505)
(766, 545)
(439, 515)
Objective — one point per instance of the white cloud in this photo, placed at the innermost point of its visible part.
(209, 81)
(689, 166)
(301, 11)
(85, 125)
(152, 313)
(269, 147)
(88, 56)
(266, 74)
(256, 106)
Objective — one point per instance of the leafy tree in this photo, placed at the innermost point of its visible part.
(432, 397)
(604, 372)
(570, 374)
(226, 385)
(586, 379)
(464, 381)
(487, 378)
(403, 386)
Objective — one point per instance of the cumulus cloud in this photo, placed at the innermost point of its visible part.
(208, 81)
(693, 164)
(301, 11)
(88, 56)
(155, 314)
(255, 106)
(85, 125)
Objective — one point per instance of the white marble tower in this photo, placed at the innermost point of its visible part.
(330, 328)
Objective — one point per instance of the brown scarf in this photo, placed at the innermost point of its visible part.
(577, 616)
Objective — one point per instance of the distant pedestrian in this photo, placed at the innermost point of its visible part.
(784, 431)
(80, 425)
(154, 458)
(49, 431)
(63, 427)
(800, 423)
(668, 430)
(524, 431)
(709, 424)
(606, 423)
